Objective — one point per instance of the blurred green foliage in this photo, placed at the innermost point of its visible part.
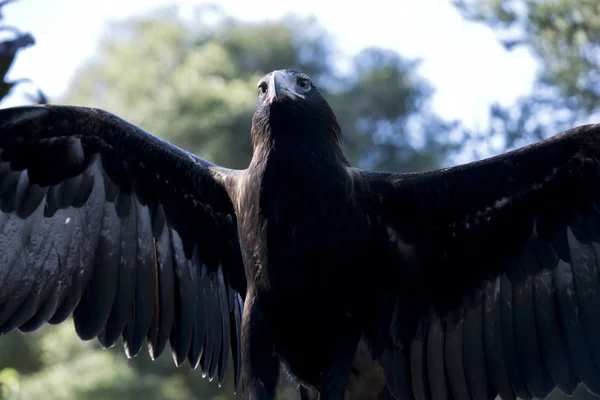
(564, 36)
(194, 83)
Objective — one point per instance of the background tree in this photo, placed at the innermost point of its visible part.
(564, 36)
(195, 84)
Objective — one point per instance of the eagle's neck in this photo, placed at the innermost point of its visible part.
(293, 188)
(305, 144)
(292, 176)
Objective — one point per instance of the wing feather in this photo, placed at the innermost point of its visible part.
(183, 329)
(453, 356)
(226, 328)
(138, 326)
(93, 309)
(418, 370)
(587, 284)
(493, 342)
(568, 309)
(166, 280)
(551, 340)
(28, 196)
(81, 252)
(125, 276)
(199, 345)
(529, 358)
(509, 346)
(473, 356)
(212, 338)
(435, 361)
(236, 346)
(397, 373)
(29, 270)
(16, 235)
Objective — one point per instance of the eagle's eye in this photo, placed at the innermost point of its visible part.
(303, 83)
(262, 88)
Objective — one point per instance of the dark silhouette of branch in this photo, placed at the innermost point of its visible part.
(4, 3)
(9, 49)
(8, 52)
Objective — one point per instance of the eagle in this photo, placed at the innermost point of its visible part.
(469, 282)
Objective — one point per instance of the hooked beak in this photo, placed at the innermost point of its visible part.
(280, 86)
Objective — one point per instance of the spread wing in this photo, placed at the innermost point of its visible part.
(492, 273)
(131, 235)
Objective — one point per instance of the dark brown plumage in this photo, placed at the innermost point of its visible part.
(466, 282)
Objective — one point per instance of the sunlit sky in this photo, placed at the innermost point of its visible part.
(463, 61)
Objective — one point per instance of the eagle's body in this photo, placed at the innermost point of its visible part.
(460, 283)
(302, 234)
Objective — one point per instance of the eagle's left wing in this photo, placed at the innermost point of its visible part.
(494, 274)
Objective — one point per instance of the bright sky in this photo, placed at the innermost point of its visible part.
(463, 61)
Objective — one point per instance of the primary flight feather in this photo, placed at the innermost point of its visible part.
(466, 282)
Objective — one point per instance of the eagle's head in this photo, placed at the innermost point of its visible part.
(290, 104)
